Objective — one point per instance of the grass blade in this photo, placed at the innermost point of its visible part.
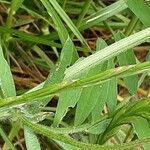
(103, 14)
(65, 139)
(31, 140)
(136, 6)
(68, 21)
(106, 53)
(28, 37)
(6, 80)
(62, 32)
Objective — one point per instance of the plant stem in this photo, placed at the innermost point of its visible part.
(85, 146)
(90, 81)
(128, 134)
(132, 25)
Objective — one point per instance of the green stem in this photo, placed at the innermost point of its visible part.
(11, 13)
(90, 81)
(85, 146)
(130, 131)
(134, 21)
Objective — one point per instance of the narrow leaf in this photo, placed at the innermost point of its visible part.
(89, 96)
(142, 129)
(103, 14)
(27, 37)
(137, 6)
(62, 32)
(31, 140)
(6, 80)
(107, 53)
(68, 21)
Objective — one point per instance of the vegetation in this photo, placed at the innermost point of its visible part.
(74, 74)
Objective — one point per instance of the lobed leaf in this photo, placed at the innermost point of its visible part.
(127, 58)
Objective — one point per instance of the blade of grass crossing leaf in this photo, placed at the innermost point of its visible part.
(127, 58)
(108, 91)
(137, 6)
(142, 129)
(72, 96)
(111, 95)
(65, 60)
(6, 80)
(107, 53)
(89, 95)
(31, 140)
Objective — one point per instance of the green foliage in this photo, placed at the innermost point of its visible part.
(78, 105)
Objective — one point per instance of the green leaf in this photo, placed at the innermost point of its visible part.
(28, 37)
(62, 32)
(141, 9)
(65, 61)
(67, 98)
(100, 127)
(31, 140)
(87, 100)
(107, 53)
(6, 80)
(103, 14)
(127, 58)
(111, 91)
(89, 97)
(142, 129)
